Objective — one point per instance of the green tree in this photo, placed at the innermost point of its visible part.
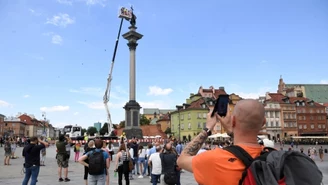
(91, 131)
(168, 130)
(83, 131)
(122, 124)
(104, 129)
(144, 120)
(115, 126)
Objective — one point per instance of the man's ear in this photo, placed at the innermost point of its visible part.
(233, 121)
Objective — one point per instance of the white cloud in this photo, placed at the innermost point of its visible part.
(157, 91)
(60, 124)
(67, 2)
(57, 108)
(255, 94)
(5, 104)
(324, 82)
(94, 91)
(26, 96)
(57, 39)
(95, 2)
(264, 61)
(33, 12)
(76, 113)
(156, 104)
(61, 20)
(88, 90)
(100, 105)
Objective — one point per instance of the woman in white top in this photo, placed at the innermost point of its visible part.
(141, 161)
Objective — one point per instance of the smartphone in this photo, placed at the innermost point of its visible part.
(221, 105)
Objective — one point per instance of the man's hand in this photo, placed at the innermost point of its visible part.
(211, 121)
(226, 121)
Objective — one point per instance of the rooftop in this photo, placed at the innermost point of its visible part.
(157, 110)
(315, 92)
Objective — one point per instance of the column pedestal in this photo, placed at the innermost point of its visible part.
(132, 120)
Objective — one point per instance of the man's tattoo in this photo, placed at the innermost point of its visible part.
(194, 146)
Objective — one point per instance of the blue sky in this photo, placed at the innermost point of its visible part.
(55, 54)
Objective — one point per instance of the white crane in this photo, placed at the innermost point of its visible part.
(123, 15)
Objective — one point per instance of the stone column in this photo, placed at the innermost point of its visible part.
(132, 108)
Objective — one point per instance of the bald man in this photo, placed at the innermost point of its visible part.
(220, 166)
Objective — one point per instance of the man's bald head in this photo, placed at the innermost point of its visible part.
(249, 115)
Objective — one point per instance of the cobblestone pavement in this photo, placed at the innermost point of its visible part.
(13, 174)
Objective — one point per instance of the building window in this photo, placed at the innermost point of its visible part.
(322, 111)
(319, 117)
(311, 110)
(311, 117)
(295, 124)
(304, 118)
(304, 126)
(277, 123)
(271, 115)
(312, 126)
(300, 127)
(267, 124)
(297, 103)
(182, 117)
(318, 111)
(303, 110)
(199, 125)
(299, 111)
(204, 115)
(268, 114)
(323, 117)
(199, 115)
(203, 106)
(189, 126)
(299, 117)
(323, 126)
(182, 126)
(271, 125)
(286, 125)
(204, 125)
(319, 126)
(189, 116)
(277, 114)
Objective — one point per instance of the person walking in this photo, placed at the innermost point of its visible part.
(77, 148)
(31, 153)
(122, 164)
(7, 151)
(90, 147)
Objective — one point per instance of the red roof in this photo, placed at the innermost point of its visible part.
(276, 97)
(148, 130)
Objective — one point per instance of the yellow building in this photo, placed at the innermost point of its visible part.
(154, 114)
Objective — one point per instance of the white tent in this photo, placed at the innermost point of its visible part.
(215, 135)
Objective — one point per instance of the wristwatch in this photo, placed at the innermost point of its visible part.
(208, 131)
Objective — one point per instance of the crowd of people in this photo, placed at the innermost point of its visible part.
(161, 162)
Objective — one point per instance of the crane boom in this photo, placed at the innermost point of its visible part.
(109, 81)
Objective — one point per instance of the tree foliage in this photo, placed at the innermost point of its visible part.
(122, 124)
(144, 120)
(115, 126)
(168, 130)
(83, 131)
(104, 129)
(91, 131)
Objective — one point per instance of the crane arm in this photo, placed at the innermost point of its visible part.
(109, 82)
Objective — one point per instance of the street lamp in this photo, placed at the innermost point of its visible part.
(44, 115)
(179, 127)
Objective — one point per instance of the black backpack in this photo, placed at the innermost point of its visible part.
(97, 163)
(275, 167)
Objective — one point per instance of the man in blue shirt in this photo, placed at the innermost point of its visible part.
(96, 179)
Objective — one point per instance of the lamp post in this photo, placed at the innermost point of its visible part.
(44, 115)
(179, 127)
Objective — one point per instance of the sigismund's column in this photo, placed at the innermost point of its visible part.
(132, 108)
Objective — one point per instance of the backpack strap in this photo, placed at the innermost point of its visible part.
(244, 156)
(241, 154)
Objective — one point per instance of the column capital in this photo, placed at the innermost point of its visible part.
(132, 45)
